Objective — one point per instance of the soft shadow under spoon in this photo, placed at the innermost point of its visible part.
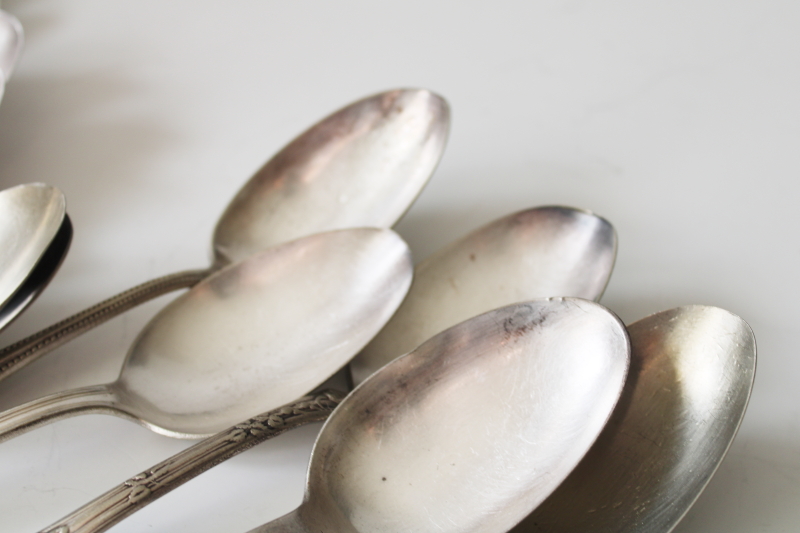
(35, 233)
(692, 370)
(361, 166)
(467, 433)
(251, 337)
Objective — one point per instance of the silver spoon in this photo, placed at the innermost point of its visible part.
(361, 166)
(35, 233)
(467, 433)
(239, 341)
(692, 371)
(12, 39)
(546, 251)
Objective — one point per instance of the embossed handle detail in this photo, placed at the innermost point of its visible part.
(140, 490)
(17, 355)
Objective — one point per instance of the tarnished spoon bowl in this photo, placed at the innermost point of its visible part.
(692, 370)
(35, 234)
(249, 338)
(540, 252)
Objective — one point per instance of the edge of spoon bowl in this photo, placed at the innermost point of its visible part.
(14, 42)
(40, 276)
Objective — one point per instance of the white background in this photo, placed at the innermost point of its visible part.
(677, 121)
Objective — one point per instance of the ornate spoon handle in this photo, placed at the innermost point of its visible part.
(14, 357)
(116, 504)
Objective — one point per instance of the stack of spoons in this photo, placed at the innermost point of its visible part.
(541, 379)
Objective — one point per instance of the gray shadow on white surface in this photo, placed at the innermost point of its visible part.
(757, 488)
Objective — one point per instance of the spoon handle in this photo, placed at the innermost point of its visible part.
(127, 498)
(28, 416)
(17, 355)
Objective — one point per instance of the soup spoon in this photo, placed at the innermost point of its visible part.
(253, 336)
(545, 251)
(692, 371)
(35, 233)
(361, 166)
(525, 388)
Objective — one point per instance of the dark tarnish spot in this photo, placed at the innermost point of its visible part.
(523, 321)
(383, 478)
(472, 257)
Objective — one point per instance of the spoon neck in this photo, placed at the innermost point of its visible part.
(85, 400)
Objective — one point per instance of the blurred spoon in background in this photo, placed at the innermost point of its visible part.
(35, 234)
(692, 371)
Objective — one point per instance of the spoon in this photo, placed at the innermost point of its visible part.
(238, 342)
(545, 251)
(12, 39)
(692, 371)
(361, 166)
(525, 388)
(35, 233)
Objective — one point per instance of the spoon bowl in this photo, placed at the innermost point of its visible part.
(361, 166)
(692, 371)
(35, 233)
(12, 39)
(536, 253)
(251, 337)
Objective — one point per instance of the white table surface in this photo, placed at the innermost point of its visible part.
(677, 121)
